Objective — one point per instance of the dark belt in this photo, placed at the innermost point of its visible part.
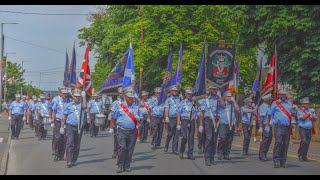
(72, 125)
(125, 128)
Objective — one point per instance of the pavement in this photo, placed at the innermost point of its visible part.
(29, 156)
(5, 141)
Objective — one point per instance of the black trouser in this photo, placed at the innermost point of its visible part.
(73, 143)
(265, 143)
(157, 130)
(115, 139)
(281, 145)
(93, 128)
(58, 140)
(173, 132)
(31, 121)
(127, 142)
(187, 130)
(42, 133)
(201, 136)
(305, 136)
(247, 132)
(36, 127)
(143, 129)
(53, 144)
(211, 140)
(16, 124)
(225, 139)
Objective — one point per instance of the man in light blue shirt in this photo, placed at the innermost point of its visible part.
(34, 114)
(170, 115)
(18, 112)
(263, 112)
(306, 118)
(127, 115)
(145, 112)
(226, 127)
(95, 106)
(43, 114)
(186, 123)
(71, 117)
(281, 128)
(156, 119)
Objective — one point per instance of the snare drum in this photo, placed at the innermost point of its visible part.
(99, 119)
(46, 119)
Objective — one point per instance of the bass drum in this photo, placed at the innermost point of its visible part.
(99, 119)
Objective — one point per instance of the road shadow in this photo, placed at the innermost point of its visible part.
(93, 161)
(142, 167)
(141, 153)
(103, 135)
(229, 161)
(237, 158)
(85, 155)
(87, 149)
(144, 158)
(32, 137)
(293, 165)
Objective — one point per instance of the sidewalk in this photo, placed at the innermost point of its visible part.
(5, 140)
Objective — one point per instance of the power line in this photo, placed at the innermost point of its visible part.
(54, 14)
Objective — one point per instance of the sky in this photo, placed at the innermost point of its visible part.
(52, 31)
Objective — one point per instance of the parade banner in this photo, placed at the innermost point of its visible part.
(66, 74)
(166, 81)
(200, 85)
(220, 64)
(114, 79)
(73, 76)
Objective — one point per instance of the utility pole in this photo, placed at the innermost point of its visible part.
(2, 51)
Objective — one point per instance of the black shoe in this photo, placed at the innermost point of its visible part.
(226, 157)
(276, 165)
(120, 169)
(165, 149)
(200, 151)
(220, 157)
(17, 138)
(73, 164)
(114, 155)
(301, 159)
(264, 159)
(306, 159)
(52, 153)
(208, 163)
(191, 157)
(284, 165)
(69, 165)
(213, 162)
(154, 147)
(128, 169)
(56, 159)
(181, 155)
(175, 153)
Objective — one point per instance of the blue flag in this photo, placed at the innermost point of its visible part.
(166, 81)
(129, 78)
(256, 84)
(177, 78)
(200, 86)
(73, 76)
(66, 77)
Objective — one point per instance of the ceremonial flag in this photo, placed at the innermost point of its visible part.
(85, 78)
(271, 82)
(129, 78)
(177, 78)
(114, 79)
(200, 85)
(256, 84)
(166, 81)
(73, 76)
(66, 78)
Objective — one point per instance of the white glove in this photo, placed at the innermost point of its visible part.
(42, 115)
(148, 119)
(178, 127)
(260, 130)
(109, 116)
(201, 128)
(83, 93)
(167, 120)
(61, 130)
(24, 118)
(267, 129)
(111, 130)
(219, 93)
(52, 124)
(232, 99)
(311, 110)
(9, 118)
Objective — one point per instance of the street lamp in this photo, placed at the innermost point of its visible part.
(5, 81)
(2, 50)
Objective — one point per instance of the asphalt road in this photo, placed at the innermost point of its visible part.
(28, 156)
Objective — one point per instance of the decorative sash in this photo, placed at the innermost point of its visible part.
(126, 110)
(286, 113)
(215, 124)
(311, 119)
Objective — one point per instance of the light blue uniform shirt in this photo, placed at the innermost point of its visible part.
(245, 117)
(143, 110)
(18, 107)
(185, 108)
(71, 110)
(172, 103)
(58, 106)
(212, 106)
(54, 99)
(224, 115)
(115, 104)
(307, 123)
(278, 116)
(199, 107)
(263, 111)
(43, 107)
(95, 106)
(123, 120)
(34, 109)
(155, 109)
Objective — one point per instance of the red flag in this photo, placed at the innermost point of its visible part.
(271, 83)
(85, 78)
